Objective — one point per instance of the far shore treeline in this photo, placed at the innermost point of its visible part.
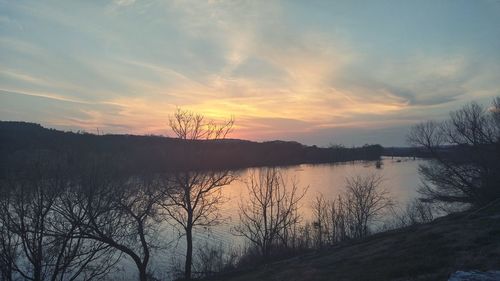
(160, 154)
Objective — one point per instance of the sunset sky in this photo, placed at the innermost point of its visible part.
(318, 72)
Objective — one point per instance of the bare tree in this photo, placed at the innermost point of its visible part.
(303, 239)
(271, 212)
(188, 125)
(37, 242)
(415, 212)
(193, 200)
(331, 220)
(365, 201)
(213, 259)
(466, 155)
(9, 242)
(321, 222)
(338, 220)
(353, 212)
(116, 210)
(495, 112)
(133, 212)
(193, 192)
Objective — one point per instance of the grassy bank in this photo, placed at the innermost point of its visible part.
(432, 251)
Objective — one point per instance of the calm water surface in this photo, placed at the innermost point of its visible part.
(400, 179)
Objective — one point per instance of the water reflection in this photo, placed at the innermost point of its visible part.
(117, 202)
(400, 179)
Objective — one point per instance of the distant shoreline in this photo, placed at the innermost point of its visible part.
(157, 153)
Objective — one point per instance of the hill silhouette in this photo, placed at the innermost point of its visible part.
(158, 153)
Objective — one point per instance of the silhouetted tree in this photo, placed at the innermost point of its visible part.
(212, 259)
(364, 201)
(194, 193)
(116, 210)
(9, 242)
(271, 212)
(466, 155)
(320, 222)
(415, 212)
(352, 213)
(37, 241)
(338, 220)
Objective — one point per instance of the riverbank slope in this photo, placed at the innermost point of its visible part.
(432, 251)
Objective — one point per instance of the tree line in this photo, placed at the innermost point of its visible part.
(162, 154)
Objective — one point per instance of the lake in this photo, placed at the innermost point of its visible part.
(400, 175)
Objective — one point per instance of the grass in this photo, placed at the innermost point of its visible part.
(464, 241)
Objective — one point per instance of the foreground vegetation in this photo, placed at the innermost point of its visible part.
(463, 173)
(431, 251)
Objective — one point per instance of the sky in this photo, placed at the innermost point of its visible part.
(317, 72)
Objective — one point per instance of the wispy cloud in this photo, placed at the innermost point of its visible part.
(42, 95)
(283, 69)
